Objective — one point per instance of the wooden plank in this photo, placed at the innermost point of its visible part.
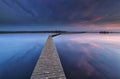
(48, 65)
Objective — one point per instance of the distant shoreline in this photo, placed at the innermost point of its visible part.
(59, 32)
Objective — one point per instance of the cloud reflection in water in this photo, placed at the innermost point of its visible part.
(90, 56)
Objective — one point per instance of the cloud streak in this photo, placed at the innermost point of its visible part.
(46, 12)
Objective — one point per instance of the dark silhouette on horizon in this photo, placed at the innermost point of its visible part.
(59, 32)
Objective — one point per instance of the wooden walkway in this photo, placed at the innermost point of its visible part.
(48, 65)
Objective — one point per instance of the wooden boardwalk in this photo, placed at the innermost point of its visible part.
(48, 65)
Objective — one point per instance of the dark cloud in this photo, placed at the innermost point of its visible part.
(58, 11)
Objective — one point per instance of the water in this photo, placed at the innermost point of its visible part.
(19, 54)
(83, 56)
(89, 56)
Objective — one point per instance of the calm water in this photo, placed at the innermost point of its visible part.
(90, 56)
(19, 54)
(83, 56)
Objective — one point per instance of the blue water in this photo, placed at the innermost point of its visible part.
(19, 54)
(89, 56)
(83, 56)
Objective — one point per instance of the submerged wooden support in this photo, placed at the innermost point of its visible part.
(48, 65)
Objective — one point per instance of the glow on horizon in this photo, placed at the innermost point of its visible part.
(97, 27)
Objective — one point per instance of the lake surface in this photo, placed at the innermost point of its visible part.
(83, 56)
(19, 54)
(89, 56)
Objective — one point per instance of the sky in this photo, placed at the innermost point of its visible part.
(60, 15)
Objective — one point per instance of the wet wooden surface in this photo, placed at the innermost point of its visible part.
(48, 65)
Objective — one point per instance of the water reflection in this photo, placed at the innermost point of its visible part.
(90, 56)
(19, 53)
